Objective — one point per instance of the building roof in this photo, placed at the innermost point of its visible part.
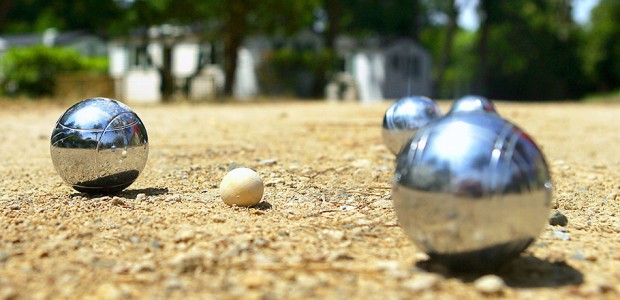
(19, 40)
(70, 37)
(161, 33)
(22, 40)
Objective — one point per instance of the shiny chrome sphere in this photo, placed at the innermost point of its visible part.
(403, 118)
(99, 145)
(471, 190)
(472, 103)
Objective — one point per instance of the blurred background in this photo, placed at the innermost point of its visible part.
(151, 51)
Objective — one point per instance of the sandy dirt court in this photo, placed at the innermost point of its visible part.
(325, 229)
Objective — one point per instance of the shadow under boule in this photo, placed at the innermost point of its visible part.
(525, 271)
(126, 193)
(263, 205)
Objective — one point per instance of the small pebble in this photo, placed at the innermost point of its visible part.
(109, 291)
(557, 218)
(117, 201)
(174, 284)
(347, 208)
(273, 182)
(387, 265)
(120, 269)
(561, 235)
(268, 162)
(4, 256)
(578, 256)
(218, 219)
(171, 198)
(187, 262)
(336, 235)
(184, 235)
(392, 269)
(155, 244)
(256, 280)
(233, 165)
(340, 255)
(489, 284)
(143, 267)
(382, 204)
(140, 197)
(361, 163)
(422, 282)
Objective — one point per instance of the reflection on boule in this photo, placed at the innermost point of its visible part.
(472, 103)
(404, 117)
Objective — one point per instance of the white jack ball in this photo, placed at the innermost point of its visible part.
(242, 187)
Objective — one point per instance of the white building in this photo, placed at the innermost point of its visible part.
(375, 69)
(379, 69)
(135, 64)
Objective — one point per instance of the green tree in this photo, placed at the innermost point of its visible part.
(439, 38)
(26, 16)
(32, 70)
(227, 22)
(386, 18)
(602, 47)
(528, 50)
(458, 77)
(379, 18)
(237, 19)
(5, 6)
(138, 16)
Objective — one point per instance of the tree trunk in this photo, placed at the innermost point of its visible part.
(231, 46)
(446, 51)
(167, 80)
(235, 26)
(5, 6)
(334, 11)
(483, 51)
(415, 26)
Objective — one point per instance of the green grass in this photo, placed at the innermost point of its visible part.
(604, 97)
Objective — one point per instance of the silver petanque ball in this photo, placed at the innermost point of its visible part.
(99, 145)
(404, 117)
(472, 103)
(472, 191)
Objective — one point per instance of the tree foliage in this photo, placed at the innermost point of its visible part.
(227, 22)
(297, 72)
(528, 50)
(32, 71)
(26, 16)
(237, 19)
(602, 46)
(387, 17)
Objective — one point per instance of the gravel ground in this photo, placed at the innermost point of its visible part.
(325, 229)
